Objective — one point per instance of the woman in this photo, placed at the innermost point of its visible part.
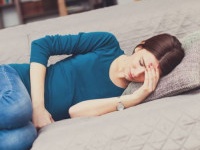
(88, 83)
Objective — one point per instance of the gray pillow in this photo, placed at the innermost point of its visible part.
(185, 77)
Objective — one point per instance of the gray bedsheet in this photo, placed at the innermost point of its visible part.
(168, 124)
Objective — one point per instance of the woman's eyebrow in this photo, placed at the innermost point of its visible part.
(144, 62)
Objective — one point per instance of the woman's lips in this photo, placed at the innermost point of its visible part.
(130, 76)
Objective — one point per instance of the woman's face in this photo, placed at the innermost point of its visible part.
(137, 62)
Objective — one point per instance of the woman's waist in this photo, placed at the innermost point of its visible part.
(57, 87)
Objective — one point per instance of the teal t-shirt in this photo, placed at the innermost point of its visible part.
(82, 76)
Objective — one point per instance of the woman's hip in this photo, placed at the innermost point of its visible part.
(15, 103)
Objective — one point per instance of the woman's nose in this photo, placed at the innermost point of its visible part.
(139, 71)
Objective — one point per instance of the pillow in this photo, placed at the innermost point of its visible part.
(185, 77)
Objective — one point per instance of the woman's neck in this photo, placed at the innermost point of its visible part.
(116, 71)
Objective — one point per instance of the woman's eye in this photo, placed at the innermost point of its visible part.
(141, 63)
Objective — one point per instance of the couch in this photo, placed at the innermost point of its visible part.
(169, 121)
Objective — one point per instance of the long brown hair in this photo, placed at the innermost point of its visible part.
(167, 49)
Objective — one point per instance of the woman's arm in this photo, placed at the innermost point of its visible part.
(102, 106)
(37, 76)
(41, 117)
(99, 107)
(43, 48)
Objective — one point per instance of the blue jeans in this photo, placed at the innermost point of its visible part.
(16, 129)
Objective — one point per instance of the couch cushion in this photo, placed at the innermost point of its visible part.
(185, 77)
(14, 49)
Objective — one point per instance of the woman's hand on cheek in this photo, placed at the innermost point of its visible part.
(151, 80)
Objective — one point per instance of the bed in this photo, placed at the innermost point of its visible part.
(170, 122)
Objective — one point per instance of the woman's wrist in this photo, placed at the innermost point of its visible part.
(125, 100)
(132, 99)
(36, 105)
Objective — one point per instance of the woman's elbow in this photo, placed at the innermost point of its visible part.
(73, 112)
(76, 111)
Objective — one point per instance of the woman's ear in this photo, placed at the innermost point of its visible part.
(139, 47)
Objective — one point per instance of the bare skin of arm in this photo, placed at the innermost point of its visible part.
(41, 117)
(102, 106)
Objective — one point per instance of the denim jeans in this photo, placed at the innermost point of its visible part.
(16, 129)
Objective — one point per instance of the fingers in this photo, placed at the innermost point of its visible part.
(151, 77)
(51, 119)
(155, 77)
(157, 73)
(42, 118)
